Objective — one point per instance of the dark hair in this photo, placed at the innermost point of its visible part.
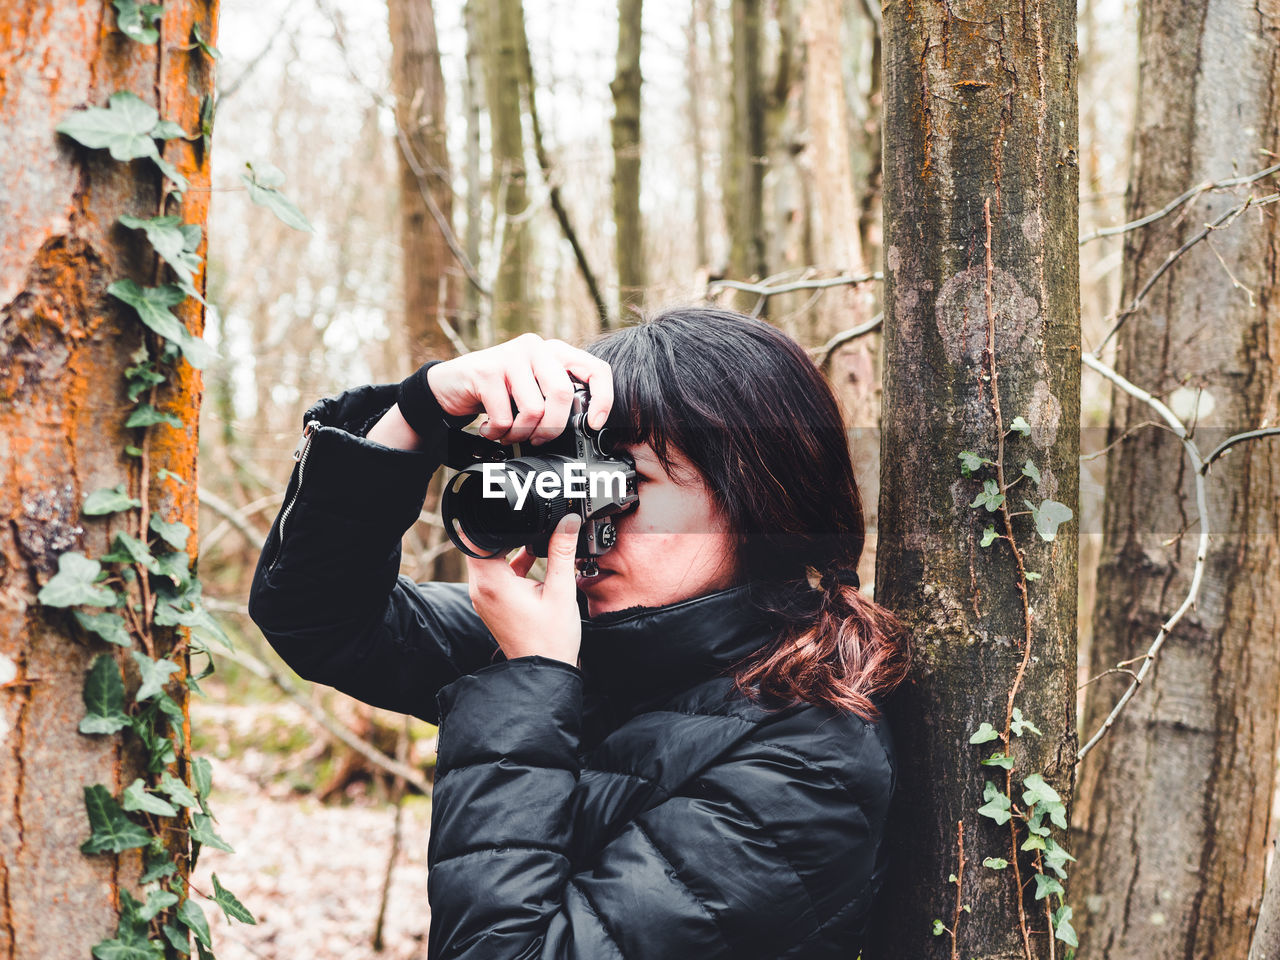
(749, 409)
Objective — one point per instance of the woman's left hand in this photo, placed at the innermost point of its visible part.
(528, 618)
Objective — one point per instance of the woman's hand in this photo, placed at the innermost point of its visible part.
(528, 618)
(530, 371)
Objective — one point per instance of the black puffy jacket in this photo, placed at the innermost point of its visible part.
(632, 808)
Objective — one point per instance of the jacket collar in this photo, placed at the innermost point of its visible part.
(638, 657)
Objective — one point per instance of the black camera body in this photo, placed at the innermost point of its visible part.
(503, 498)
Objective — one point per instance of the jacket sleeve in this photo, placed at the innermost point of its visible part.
(747, 860)
(327, 592)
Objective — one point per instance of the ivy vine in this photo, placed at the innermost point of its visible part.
(145, 583)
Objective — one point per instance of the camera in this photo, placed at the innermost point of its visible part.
(501, 498)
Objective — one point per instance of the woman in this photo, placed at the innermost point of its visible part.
(681, 757)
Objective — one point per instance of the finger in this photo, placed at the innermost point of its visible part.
(523, 562)
(595, 373)
(529, 401)
(562, 551)
(557, 388)
(492, 390)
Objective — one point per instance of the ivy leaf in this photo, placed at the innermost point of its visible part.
(135, 798)
(1032, 575)
(191, 915)
(112, 830)
(165, 474)
(170, 708)
(213, 52)
(135, 20)
(120, 949)
(74, 585)
(157, 900)
(152, 306)
(202, 777)
(122, 127)
(1038, 791)
(158, 867)
(168, 130)
(174, 612)
(232, 907)
(202, 832)
(1049, 516)
(995, 863)
(1032, 842)
(147, 416)
(984, 733)
(998, 759)
(177, 791)
(989, 536)
(155, 673)
(953, 879)
(938, 928)
(178, 938)
(175, 534)
(1021, 426)
(1062, 926)
(990, 497)
(1029, 469)
(1055, 856)
(176, 566)
(169, 170)
(108, 500)
(109, 626)
(1018, 724)
(104, 698)
(263, 183)
(1046, 885)
(127, 549)
(969, 462)
(997, 805)
(176, 243)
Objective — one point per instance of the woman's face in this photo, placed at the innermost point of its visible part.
(674, 545)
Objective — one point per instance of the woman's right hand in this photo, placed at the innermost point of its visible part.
(532, 372)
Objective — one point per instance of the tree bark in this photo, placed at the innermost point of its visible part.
(64, 345)
(982, 326)
(504, 38)
(430, 279)
(473, 93)
(626, 158)
(1177, 796)
(744, 162)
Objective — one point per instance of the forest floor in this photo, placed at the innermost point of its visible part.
(311, 873)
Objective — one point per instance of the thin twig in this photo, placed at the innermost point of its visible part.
(234, 518)
(823, 353)
(765, 290)
(955, 921)
(397, 799)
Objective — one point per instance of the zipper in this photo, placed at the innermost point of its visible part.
(300, 456)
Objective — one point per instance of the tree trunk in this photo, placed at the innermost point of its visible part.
(430, 275)
(472, 94)
(1177, 796)
(504, 39)
(744, 162)
(64, 346)
(698, 14)
(982, 327)
(626, 158)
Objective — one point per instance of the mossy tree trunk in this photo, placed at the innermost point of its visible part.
(626, 158)
(1177, 797)
(982, 326)
(430, 275)
(64, 346)
(744, 161)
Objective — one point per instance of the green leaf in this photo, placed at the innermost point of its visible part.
(202, 832)
(1032, 575)
(990, 497)
(176, 567)
(111, 829)
(997, 805)
(109, 626)
(127, 549)
(128, 950)
(191, 915)
(178, 938)
(157, 900)
(262, 183)
(999, 759)
(1029, 469)
(175, 534)
(164, 474)
(984, 734)
(158, 867)
(170, 708)
(1021, 426)
(136, 798)
(155, 673)
(1038, 791)
(147, 416)
(989, 536)
(995, 863)
(1049, 516)
(74, 585)
(938, 927)
(1018, 724)
(104, 698)
(152, 306)
(203, 44)
(135, 20)
(1062, 926)
(108, 500)
(1055, 856)
(953, 879)
(202, 776)
(1046, 885)
(169, 170)
(133, 451)
(969, 462)
(122, 127)
(175, 612)
(176, 243)
(168, 130)
(1032, 842)
(177, 791)
(233, 908)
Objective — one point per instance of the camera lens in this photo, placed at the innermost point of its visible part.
(498, 524)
